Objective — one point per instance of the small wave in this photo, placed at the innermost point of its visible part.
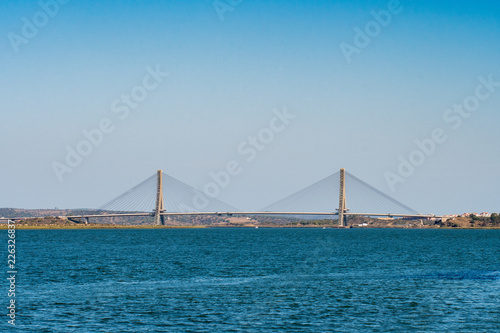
(463, 275)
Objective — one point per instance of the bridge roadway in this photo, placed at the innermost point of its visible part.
(236, 213)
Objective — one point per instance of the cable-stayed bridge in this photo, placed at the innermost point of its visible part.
(340, 194)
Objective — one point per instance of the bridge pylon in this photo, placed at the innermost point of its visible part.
(342, 207)
(159, 219)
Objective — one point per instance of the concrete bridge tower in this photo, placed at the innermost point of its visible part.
(342, 208)
(159, 219)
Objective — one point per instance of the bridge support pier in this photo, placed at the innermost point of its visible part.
(159, 219)
(342, 208)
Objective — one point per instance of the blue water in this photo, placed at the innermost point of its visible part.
(257, 280)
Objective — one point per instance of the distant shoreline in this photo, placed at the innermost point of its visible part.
(3, 226)
(196, 222)
(95, 226)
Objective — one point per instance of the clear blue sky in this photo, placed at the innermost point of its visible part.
(228, 68)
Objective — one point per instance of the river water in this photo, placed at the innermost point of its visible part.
(256, 280)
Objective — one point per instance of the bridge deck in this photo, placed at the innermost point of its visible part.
(238, 213)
